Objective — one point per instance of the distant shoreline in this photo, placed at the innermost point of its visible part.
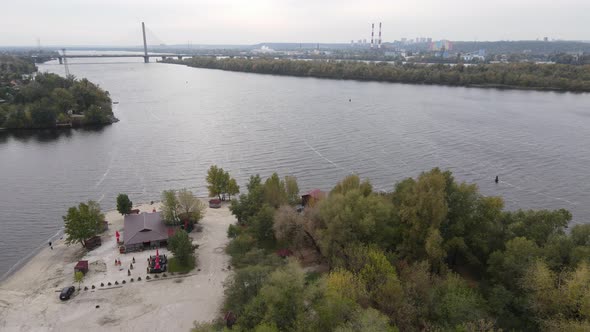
(60, 128)
(511, 76)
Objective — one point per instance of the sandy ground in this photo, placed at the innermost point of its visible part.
(29, 301)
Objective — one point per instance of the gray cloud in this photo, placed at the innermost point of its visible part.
(110, 22)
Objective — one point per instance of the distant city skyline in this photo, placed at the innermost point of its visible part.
(114, 23)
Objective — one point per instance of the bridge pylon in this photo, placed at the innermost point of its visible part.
(146, 58)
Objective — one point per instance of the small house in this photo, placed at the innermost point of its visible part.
(82, 266)
(144, 230)
(312, 197)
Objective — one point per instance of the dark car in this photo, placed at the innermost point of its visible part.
(66, 293)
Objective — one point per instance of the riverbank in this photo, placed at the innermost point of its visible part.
(29, 300)
(522, 76)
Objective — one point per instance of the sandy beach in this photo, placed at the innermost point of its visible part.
(29, 299)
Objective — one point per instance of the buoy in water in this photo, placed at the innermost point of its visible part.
(497, 179)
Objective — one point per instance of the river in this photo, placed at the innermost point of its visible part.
(176, 121)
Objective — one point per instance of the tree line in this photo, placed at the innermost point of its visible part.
(562, 77)
(433, 254)
(47, 100)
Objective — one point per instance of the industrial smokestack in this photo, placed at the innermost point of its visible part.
(379, 34)
(372, 34)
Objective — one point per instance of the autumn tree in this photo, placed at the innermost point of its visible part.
(353, 182)
(189, 206)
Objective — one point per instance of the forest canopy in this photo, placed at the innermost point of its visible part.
(434, 254)
(45, 100)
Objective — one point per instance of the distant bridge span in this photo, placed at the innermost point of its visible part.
(146, 56)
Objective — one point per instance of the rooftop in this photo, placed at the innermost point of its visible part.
(144, 227)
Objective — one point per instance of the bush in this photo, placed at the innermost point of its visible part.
(124, 204)
(182, 247)
(174, 266)
(233, 231)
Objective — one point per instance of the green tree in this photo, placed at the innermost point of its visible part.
(422, 209)
(182, 247)
(170, 207)
(352, 218)
(280, 301)
(456, 303)
(537, 226)
(42, 116)
(473, 228)
(508, 267)
(62, 99)
(94, 115)
(124, 204)
(262, 227)
(17, 118)
(243, 285)
(367, 320)
(580, 235)
(79, 278)
(232, 188)
(248, 204)
(292, 189)
(275, 193)
(82, 222)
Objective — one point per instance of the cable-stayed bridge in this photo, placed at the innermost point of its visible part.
(146, 56)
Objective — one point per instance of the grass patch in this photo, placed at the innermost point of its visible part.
(175, 266)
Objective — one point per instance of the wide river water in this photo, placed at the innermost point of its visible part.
(176, 121)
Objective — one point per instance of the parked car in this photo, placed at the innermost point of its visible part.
(66, 293)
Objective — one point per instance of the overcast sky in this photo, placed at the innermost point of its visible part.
(117, 22)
